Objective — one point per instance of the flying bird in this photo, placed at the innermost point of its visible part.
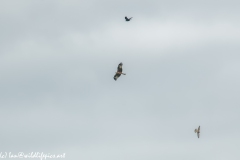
(119, 72)
(128, 19)
(197, 131)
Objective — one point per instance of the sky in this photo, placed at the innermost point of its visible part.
(181, 59)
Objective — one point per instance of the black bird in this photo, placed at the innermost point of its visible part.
(119, 72)
(128, 19)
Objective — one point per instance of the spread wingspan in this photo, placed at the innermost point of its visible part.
(197, 131)
(128, 19)
(119, 72)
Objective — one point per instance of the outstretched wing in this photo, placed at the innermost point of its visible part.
(117, 75)
(199, 129)
(198, 134)
(119, 69)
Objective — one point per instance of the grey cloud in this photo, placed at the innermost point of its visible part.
(57, 92)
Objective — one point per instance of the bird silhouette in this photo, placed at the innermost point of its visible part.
(128, 19)
(197, 131)
(119, 72)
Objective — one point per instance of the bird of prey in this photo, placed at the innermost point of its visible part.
(119, 72)
(128, 19)
(197, 131)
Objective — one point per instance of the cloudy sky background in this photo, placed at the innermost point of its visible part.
(57, 93)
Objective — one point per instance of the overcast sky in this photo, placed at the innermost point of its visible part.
(181, 59)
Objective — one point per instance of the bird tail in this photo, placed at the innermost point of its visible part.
(124, 73)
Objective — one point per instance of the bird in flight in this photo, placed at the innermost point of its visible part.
(128, 19)
(119, 72)
(197, 131)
